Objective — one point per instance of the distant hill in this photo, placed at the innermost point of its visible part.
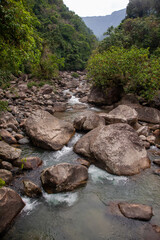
(100, 24)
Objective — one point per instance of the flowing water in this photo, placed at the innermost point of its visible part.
(90, 212)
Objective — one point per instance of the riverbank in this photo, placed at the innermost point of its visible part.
(103, 190)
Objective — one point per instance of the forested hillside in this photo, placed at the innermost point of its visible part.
(130, 54)
(100, 24)
(41, 36)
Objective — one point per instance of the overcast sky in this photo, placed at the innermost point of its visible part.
(86, 8)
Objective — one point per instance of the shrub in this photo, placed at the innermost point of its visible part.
(5, 78)
(31, 84)
(3, 106)
(133, 69)
(75, 75)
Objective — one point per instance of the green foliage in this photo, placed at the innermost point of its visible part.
(37, 84)
(130, 54)
(5, 77)
(131, 69)
(27, 25)
(3, 106)
(19, 41)
(23, 160)
(64, 32)
(140, 8)
(140, 32)
(75, 75)
(2, 183)
(31, 84)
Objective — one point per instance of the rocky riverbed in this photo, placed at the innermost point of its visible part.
(121, 138)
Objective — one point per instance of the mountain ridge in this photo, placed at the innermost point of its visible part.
(100, 24)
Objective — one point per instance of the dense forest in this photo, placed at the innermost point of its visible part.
(130, 54)
(40, 37)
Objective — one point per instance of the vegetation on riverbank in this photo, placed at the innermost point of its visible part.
(40, 37)
(130, 54)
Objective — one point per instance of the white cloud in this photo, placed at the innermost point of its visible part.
(95, 7)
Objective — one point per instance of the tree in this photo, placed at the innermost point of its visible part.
(132, 69)
(140, 8)
(19, 41)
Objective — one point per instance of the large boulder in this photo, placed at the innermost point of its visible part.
(121, 114)
(148, 114)
(31, 189)
(10, 205)
(136, 211)
(48, 132)
(116, 148)
(106, 96)
(63, 177)
(88, 121)
(28, 163)
(6, 176)
(9, 153)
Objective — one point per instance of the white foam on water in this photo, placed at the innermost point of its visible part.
(30, 204)
(61, 198)
(67, 91)
(65, 150)
(74, 139)
(96, 109)
(99, 175)
(153, 147)
(74, 100)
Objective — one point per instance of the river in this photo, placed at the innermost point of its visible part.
(89, 212)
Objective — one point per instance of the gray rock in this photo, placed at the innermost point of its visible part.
(106, 96)
(121, 114)
(31, 189)
(148, 114)
(6, 165)
(6, 176)
(48, 132)
(7, 137)
(46, 89)
(63, 177)
(143, 130)
(151, 139)
(60, 107)
(23, 141)
(83, 162)
(157, 161)
(8, 121)
(157, 172)
(136, 211)
(116, 147)
(88, 121)
(28, 163)
(10, 205)
(143, 138)
(9, 153)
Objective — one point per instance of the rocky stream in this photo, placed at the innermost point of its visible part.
(76, 166)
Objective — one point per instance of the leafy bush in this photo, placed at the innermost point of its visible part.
(49, 66)
(3, 106)
(130, 68)
(75, 75)
(31, 84)
(5, 77)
